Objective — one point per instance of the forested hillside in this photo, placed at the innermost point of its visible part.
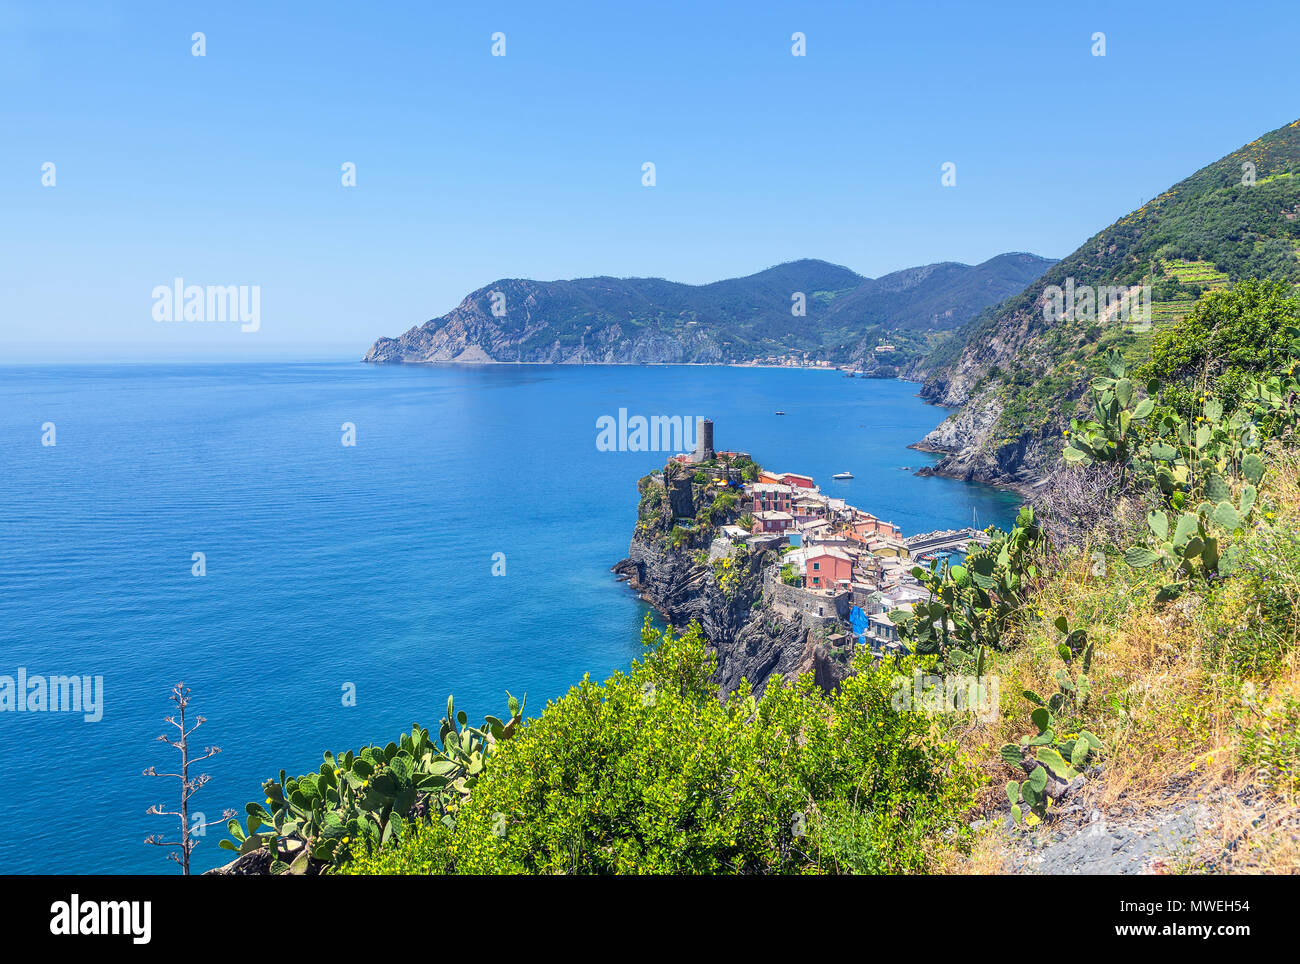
(1023, 365)
(803, 311)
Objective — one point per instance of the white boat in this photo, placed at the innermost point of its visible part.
(842, 475)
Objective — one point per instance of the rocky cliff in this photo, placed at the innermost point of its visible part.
(1024, 364)
(842, 317)
(751, 639)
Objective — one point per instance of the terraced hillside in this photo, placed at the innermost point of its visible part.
(1023, 366)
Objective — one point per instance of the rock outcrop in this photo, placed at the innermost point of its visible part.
(651, 321)
(752, 639)
(1022, 368)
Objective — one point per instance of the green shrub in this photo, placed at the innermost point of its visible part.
(1271, 742)
(1230, 336)
(359, 801)
(748, 468)
(649, 773)
(426, 849)
(1260, 620)
(851, 838)
(652, 500)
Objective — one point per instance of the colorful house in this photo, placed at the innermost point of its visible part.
(772, 521)
(815, 528)
(808, 507)
(868, 525)
(771, 497)
(793, 479)
(827, 568)
(796, 480)
(881, 629)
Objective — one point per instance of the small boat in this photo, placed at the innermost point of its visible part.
(780, 413)
(842, 475)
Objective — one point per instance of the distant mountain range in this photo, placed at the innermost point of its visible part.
(846, 317)
(1018, 371)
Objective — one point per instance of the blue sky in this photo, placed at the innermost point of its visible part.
(225, 169)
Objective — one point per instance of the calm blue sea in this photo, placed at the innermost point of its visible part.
(330, 565)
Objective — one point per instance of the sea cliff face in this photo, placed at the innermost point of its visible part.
(976, 440)
(751, 639)
(797, 312)
(472, 334)
(1022, 368)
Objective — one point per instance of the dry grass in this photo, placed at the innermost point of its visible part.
(1255, 839)
(1167, 693)
(989, 855)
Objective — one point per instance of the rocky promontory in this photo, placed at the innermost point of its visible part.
(891, 321)
(693, 572)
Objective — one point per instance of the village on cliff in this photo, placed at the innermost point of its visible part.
(841, 570)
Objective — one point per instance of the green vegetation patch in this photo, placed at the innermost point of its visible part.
(649, 773)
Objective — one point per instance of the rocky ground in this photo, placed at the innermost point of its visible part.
(1185, 832)
(1084, 840)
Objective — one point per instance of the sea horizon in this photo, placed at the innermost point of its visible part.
(371, 565)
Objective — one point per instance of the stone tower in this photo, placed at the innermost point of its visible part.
(704, 444)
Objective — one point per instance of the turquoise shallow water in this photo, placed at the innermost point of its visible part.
(368, 565)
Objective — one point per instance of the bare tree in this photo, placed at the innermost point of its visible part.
(1079, 502)
(181, 697)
